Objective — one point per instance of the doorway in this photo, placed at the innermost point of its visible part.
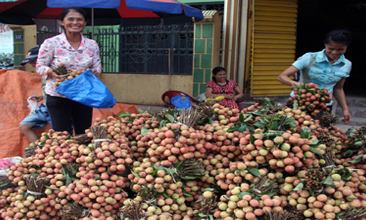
(316, 18)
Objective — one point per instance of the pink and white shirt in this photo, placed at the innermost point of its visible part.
(56, 51)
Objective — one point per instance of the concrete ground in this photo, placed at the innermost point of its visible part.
(345, 127)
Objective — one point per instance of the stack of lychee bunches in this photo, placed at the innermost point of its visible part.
(265, 162)
(308, 97)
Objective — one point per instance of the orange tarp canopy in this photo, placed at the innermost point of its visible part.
(15, 87)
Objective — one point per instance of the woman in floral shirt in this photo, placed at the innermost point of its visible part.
(220, 86)
(75, 52)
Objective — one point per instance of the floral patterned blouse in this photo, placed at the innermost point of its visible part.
(227, 89)
(56, 51)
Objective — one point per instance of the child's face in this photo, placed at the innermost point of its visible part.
(33, 63)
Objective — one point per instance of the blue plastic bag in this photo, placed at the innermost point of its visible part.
(87, 89)
(181, 101)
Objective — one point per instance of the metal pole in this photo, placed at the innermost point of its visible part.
(92, 21)
(170, 76)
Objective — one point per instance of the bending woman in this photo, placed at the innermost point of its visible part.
(327, 68)
(220, 86)
(75, 52)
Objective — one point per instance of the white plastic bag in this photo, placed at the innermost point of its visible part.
(32, 104)
(6, 163)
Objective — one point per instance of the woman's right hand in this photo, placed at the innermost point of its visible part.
(52, 74)
(228, 96)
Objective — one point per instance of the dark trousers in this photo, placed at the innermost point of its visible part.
(66, 114)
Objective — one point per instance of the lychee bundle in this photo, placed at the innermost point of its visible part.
(67, 75)
(308, 97)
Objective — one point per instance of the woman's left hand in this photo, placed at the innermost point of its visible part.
(347, 117)
(95, 72)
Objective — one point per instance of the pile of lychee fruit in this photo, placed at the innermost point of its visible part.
(143, 169)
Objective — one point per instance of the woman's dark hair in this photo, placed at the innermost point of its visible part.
(67, 10)
(215, 71)
(341, 36)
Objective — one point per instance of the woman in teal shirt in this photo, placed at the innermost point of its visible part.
(327, 68)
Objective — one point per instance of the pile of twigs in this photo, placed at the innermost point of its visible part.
(189, 117)
(5, 183)
(208, 206)
(263, 185)
(190, 169)
(329, 156)
(353, 214)
(99, 134)
(29, 151)
(325, 138)
(72, 211)
(314, 178)
(279, 215)
(82, 139)
(132, 211)
(207, 111)
(327, 119)
(295, 214)
(36, 185)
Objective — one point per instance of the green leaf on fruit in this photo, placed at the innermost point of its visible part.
(187, 194)
(129, 121)
(241, 117)
(299, 186)
(305, 133)
(144, 131)
(345, 173)
(189, 177)
(348, 153)
(358, 143)
(315, 143)
(329, 181)
(163, 123)
(312, 192)
(255, 172)
(201, 215)
(46, 136)
(358, 159)
(209, 189)
(165, 194)
(315, 151)
(259, 125)
(241, 194)
(211, 217)
(140, 110)
(211, 121)
(135, 174)
(51, 187)
(252, 139)
(248, 118)
(233, 128)
(169, 117)
(178, 164)
(270, 194)
(243, 128)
